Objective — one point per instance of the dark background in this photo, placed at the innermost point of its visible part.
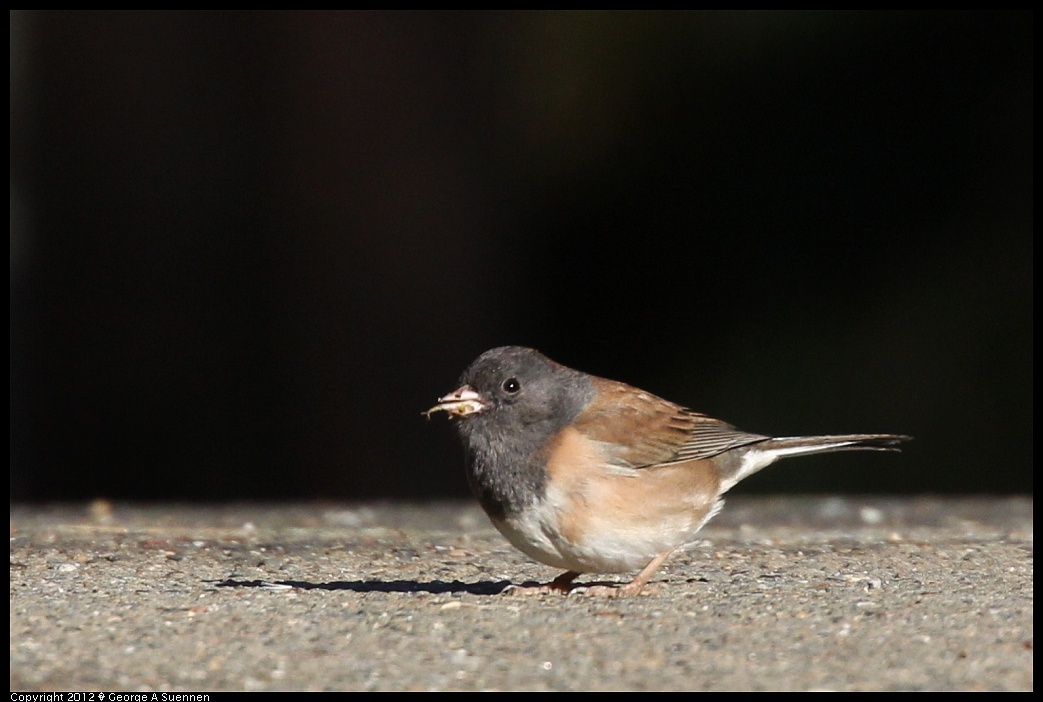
(248, 249)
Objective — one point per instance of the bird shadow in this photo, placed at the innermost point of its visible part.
(434, 587)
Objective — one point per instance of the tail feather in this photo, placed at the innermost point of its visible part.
(806, 445)
(764, 453)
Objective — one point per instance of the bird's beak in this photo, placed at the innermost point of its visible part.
(462, 402)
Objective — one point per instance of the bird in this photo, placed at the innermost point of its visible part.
(592, 475)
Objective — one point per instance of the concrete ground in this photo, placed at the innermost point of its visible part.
(782, 594)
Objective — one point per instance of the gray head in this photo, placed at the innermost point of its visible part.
(520, 387)
(511, 401)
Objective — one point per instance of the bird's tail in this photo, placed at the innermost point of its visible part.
(806, 445)
(764, 453)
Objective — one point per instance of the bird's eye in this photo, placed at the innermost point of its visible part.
(511, 385)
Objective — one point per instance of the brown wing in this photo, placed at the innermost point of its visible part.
(637, 429)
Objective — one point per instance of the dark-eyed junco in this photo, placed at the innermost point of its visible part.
(595, 476)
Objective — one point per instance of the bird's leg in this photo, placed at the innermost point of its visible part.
(564, 581)
(634, 586)
(562, 584)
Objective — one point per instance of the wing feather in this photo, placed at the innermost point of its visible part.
(638, 430)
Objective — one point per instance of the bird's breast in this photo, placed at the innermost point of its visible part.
(592, 516)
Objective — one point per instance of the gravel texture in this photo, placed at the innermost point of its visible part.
(781, 594)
